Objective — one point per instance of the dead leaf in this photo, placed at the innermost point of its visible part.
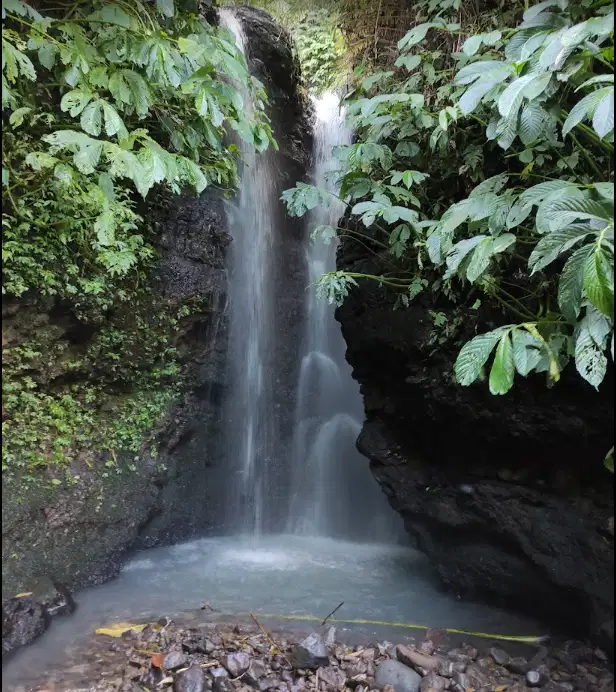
(118, 629)
(157, 660)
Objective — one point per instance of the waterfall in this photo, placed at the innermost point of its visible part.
(250, 425)
(333, 492)
(300, 473)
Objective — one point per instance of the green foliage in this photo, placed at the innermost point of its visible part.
(320, 48)
(62, 402)
(109, 108)
(102, 101)
(515, 128)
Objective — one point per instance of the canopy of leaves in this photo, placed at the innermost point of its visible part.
(102, 102)
(108, 109)
(483, 168)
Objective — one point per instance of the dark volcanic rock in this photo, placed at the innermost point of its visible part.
(190, 680)
(53, 596)
(23, 621)
(311, 653)
(507, 495)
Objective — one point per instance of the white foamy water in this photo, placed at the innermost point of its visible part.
(334, 493)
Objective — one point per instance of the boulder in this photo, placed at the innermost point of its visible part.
(311, 653)
(400, 677)
(23, 621)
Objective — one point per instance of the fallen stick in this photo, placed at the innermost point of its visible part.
(271, 641)
(334, 611)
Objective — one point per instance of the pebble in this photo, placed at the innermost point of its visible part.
(415, 659)
(190, 680)
(500, 656)
(174, 659)
(237, 664)
(400, 677)
(534, 678)
(332, 676)
(311, 653)
(434, 683)
(517, 665)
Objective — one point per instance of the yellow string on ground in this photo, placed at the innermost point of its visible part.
(525, 639)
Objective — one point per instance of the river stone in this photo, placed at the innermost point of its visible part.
(311, 653)
(333, 677)
(174, 659)
(500, 656)
(536, 678)
(53, 596)
(517, 665)
(432, 681)
(237, 664)
(400, 677)
(223, 685)
(23, 621)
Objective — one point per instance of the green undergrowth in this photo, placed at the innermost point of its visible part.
(91, 402)
(109, 109)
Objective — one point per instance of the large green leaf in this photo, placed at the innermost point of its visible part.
(603, 118)
(571, 283)
(585, 108)
(75, 101)
(474, 355)
(91, 118)
(552, 245)
(597, 272)
(503, 368)
(590, 360)
(527, 351)
(459, 251)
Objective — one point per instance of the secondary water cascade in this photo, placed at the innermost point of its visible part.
(334, 493)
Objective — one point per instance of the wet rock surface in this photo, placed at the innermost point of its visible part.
(245, 658)
(23, 621)
(499, 492)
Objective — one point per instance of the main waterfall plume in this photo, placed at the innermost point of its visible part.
(299, 474)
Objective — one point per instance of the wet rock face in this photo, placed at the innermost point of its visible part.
(271, 57)
(507, 495)
(23, 621)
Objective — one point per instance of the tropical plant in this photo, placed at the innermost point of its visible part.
(516, 128)
(109, 108)
(101, 101)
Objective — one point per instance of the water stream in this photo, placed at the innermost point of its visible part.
(334, 493)
(250, 415)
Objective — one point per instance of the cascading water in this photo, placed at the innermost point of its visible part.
(334, 493)
(250, 434)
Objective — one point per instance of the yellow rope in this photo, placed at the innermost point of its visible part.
(526, 639)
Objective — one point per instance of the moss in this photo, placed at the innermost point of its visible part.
(93, 400)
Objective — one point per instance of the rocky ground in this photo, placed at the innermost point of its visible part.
(244, 657)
